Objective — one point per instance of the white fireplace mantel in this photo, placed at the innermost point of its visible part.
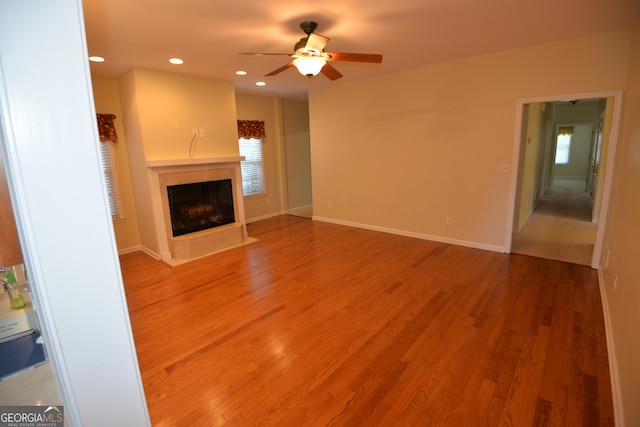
(164, 171)
(189, 162)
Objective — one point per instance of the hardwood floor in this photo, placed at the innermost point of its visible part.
(319, 324)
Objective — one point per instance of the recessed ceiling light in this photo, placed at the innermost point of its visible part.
(96, 59)
(176, 61)
(241, 73)
(261, 84)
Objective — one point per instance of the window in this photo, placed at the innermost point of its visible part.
(563, 144)
(109, 176)
(252, 171)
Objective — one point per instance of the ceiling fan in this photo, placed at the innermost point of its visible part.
(310, 58)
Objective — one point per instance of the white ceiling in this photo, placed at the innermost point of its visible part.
(210, 34)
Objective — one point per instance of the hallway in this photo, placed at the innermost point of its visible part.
(560, 227)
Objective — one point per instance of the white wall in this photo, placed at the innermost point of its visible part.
(50, 145)
(403, 151)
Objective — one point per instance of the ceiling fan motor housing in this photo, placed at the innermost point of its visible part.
(308, 27)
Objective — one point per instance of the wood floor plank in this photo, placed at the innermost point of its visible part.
(318, 324)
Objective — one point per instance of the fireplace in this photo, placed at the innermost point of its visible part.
(200, 205)
(197, 206)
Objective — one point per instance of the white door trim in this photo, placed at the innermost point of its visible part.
(610, 168)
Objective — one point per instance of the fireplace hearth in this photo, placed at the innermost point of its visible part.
(200, 205)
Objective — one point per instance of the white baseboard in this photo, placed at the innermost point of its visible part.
(422, 236)
(618, 409)
(129, 250)
(258, 218)
(141, 248)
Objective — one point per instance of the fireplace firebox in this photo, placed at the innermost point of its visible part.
(200, 205)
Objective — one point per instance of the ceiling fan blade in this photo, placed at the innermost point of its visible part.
(329, 71)
(355, 57)
(316, 42)
(265, 54)
(279, 70)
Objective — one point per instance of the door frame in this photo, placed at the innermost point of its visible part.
(610, 164)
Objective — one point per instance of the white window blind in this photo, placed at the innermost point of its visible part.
(107, 169)
(251, 167)
(563, 146)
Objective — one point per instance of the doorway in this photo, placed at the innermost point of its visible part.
(565, 152)
(297, 157)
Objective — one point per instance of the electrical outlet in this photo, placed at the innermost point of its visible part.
(448, 220)
(194, 132)
(503, 167)
(201, 133)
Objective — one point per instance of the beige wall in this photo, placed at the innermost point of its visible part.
(621, 250)
(267, 109)
(171, 105)
(405, 150)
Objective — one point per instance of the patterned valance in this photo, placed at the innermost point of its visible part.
(565, 130)
(248, 129)
(106, 129)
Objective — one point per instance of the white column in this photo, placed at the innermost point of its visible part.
(59, 196)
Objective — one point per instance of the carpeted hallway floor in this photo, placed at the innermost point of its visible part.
(560, 228)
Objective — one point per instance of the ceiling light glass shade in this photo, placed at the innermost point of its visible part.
(309, 65)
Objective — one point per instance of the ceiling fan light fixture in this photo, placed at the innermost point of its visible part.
(309, 65)
(310, 58)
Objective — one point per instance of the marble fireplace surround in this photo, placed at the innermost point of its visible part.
(163, 173)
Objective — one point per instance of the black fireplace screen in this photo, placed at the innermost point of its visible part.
(200, 205)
